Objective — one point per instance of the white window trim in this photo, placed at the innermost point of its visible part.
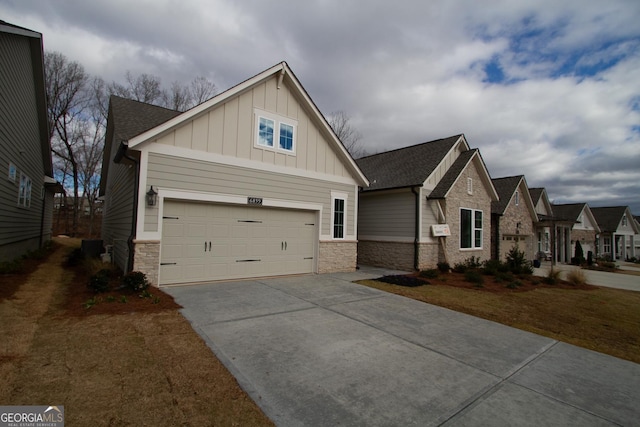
(277, 122)
(24, 200)
(340, 196)
(473, 230)
(12, 172)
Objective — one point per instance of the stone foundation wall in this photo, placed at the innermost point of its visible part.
(147, 259)
(395, 255)
(337, 256)
(430, 254)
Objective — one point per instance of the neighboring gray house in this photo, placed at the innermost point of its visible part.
(585, 228)
(250, 183)
(426, 203)
(617, 228)
(513, 218)
(27, 187)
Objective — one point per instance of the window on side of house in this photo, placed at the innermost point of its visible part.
(24, 191)
(469, 185)
(13, 172)
(471, 225)
(286, 137)
(606, 245)
(517, 198)
(624, 220)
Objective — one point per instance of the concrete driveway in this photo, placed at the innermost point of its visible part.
(319, 350)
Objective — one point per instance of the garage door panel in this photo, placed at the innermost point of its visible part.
(245, 242)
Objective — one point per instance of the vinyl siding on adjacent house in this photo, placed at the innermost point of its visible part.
(174, 173)
(118, 210)
(20, 144)
(387, 216)
(230, 129)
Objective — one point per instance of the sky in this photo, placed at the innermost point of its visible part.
(547, 89)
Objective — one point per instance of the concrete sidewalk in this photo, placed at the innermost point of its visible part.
(319, 350)
(599, 278)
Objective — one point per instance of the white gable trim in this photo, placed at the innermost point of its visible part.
(484, 175)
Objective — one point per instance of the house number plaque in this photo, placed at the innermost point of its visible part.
(254, 201)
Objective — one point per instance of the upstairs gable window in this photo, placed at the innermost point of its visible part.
(624, 220)
(275, 132)
(517, 198)
(470, 186)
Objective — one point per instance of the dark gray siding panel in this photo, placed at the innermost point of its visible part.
(20, 144)
(387, 215)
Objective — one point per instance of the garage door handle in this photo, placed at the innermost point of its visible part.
(285, 246)
(209, 245)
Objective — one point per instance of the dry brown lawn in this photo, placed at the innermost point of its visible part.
(143, 365)
(601, 319)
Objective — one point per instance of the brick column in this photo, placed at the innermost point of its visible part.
(147, 259)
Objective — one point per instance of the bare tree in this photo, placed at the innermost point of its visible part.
(66, 102)
(144, 88)
(202, 89)
(350, 136)
(178, 97)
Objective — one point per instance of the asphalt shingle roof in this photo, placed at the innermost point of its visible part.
(405, 167)
(569, 211)
(450, 177)
(608, 218)
(505, 187)
(132, 118)
(535, 194)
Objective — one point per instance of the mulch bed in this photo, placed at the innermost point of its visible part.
(83, 301)
(521, 283)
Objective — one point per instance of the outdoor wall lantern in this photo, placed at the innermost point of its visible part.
(152, 197)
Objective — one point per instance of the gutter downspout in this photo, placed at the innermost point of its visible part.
(120, 154)
(416, 240)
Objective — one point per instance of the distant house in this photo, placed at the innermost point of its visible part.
(426, 203)
(28, 187)
(585, 228)
(513, 218)
(250, 183)
(542, 229)
(617, 228)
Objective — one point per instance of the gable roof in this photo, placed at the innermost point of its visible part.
(37, 60)
(505, 187)
(569, 211)
(608, 218)
(127, 119)
(408, 166)
(451, 176)
(537, 194)
(283, 71)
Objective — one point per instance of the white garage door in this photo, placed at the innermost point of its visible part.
(509, 242)
(205, 241)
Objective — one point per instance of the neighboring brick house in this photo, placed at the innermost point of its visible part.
(617, 228)
(585, 228)
(512, 218)
(426, 203)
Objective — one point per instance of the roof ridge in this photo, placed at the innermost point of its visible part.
(412, 146)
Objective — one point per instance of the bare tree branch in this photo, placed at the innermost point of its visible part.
(350, 136)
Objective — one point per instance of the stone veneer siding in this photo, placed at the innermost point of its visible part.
(337, 256)
(587, 240)
(147, 259)
(395, 255)
(459, 198)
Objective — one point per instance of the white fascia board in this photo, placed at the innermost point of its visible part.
(454, 147)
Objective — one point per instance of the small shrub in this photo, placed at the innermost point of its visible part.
(474, 276)
(156, 300)
(468, 264)
(444, 267)
(552, 277)
(511, 285)
(579, 253)
(99, 282)
(111, 298)
(517, 262)
(12, 267)
(135, 280)
(90, 303)
(504, 277)
(492, 267)
(431, 273)
(576, 277)
(123, 299)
